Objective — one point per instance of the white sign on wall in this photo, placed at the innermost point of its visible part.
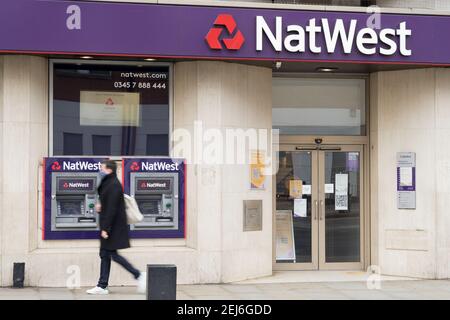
(102, 108)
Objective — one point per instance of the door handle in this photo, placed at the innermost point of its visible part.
(316, 205)
(321, 210)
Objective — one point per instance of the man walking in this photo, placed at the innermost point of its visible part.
(114, 228)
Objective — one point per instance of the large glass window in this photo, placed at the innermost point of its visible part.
(319, 106)
(110, 109)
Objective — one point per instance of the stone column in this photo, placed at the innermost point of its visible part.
(410, 111)
(24, 119)
(219, 96)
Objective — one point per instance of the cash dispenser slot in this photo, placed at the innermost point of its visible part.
(153, 210)
(72, 213)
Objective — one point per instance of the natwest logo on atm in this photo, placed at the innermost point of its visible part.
(76, 166)
(154, 184)
(67, 185)
(154, 166)
(83, 184)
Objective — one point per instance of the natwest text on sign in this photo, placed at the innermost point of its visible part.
(368, 41)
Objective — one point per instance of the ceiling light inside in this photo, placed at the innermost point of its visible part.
(326, 69)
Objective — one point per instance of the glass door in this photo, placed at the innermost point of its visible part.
(318, 217)
(297, 202)
(340, 208)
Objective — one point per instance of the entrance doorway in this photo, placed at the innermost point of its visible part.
(319, 208)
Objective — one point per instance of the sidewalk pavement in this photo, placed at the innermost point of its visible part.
(415, 290)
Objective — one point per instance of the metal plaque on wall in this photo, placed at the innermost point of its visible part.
(252, 215)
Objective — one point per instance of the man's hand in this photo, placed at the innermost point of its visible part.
(98, 207)
(104, 234)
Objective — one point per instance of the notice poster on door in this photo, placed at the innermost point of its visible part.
(285, 245)
(295, 189)
(300, 208)
(306, 189)
(341, 192)
(329, 188)
(102, 108)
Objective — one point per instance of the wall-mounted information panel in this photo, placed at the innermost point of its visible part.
(406, 180)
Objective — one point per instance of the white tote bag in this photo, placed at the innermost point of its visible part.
(134, 215)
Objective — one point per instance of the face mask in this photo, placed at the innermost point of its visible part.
(101, 175)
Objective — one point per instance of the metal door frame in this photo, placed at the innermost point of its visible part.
(323, 265)
(318, 226)
(314, 264)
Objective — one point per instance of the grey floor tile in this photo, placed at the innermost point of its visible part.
(366, 295)
(230, 297)
(415, 290)
(241, 288)
(357, 285)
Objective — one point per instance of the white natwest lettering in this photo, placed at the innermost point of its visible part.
(368, 41)
(159, 166)
(78, 185)
(81, 165)
(156, 185)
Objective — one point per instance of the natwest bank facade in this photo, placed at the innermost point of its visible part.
(350, 111)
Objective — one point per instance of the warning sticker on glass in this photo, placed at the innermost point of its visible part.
(307, 189)
(329, 188)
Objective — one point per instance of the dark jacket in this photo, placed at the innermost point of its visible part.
(113, 218)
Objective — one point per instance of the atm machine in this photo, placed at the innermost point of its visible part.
(73, 198)
(156, 194)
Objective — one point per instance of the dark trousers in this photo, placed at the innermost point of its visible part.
(105, 266)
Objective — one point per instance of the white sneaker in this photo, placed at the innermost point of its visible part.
(97, 290)
(142, 282)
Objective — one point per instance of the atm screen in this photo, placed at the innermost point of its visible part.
(153, 185)
(70, 207)
(76, 185)
(149, 207)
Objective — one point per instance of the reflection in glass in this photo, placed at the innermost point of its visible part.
(101, 145)
(111, 110)
(296, 166)
(73, 144)
(318, 106)
(342, 208)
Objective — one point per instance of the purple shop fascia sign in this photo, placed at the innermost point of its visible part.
(71, 165)
(177, 31)
(174, 165)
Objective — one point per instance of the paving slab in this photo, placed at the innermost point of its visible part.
(354, 290)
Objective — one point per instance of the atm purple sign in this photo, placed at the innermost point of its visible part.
(152, 30)
(157, 165)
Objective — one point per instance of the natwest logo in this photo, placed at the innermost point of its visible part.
(321, 35)
(56, 166)
(159, 166)
(134, 166)
(80, 166)
(149, 185)
(213, 38)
